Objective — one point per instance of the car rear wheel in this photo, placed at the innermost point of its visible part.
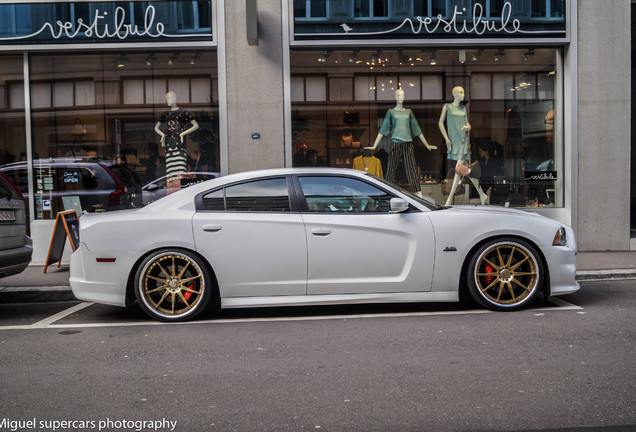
(505, 274)
(173, 285)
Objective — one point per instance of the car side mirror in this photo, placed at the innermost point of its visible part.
(398, 205)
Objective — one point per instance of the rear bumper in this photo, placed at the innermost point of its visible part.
(100, 282)
(13, 261)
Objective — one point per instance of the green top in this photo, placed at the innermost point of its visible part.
(401, 124)
(456, 119)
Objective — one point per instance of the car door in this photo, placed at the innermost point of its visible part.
(255, 244)
(356, 245)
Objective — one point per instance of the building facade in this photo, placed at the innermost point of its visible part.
(87, 87)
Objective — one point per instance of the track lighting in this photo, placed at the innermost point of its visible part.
(527, 54)
(122, 61)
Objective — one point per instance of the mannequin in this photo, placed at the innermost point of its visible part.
(457, 141)
(176, 121)
(402, 125)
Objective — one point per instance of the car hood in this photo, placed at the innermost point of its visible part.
(493, 210)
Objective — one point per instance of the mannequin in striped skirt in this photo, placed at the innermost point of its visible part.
(176, 123)
(401, 123)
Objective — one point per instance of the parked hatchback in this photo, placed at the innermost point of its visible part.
(100, 185)
(15, 246)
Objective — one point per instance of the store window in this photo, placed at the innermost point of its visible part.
(307, 9)
(340, 99)
(117, 117)
(370, 8)
(12, 117)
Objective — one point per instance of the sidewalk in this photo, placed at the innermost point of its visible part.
(33, 285)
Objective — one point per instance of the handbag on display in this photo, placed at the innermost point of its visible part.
(447, 185)
(351, 116)
(462, 170)
(346, 139)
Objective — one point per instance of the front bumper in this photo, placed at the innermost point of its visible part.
(562, 264)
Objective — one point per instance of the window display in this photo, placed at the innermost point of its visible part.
(497, 139)
(101, 130)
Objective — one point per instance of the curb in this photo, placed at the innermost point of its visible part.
(606, 274)
(45, 294)
(63, 292)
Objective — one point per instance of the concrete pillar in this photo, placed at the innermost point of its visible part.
(604, 79)
(254, 87)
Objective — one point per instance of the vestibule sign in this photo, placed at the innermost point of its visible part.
(112, 22)
(455, 19)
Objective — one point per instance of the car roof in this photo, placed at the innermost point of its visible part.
(182, 200)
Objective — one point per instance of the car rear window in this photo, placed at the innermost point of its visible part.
(7, 190)
(125, 176)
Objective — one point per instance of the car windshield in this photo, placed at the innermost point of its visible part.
(426, 203)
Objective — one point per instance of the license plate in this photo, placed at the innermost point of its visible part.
(7, 215)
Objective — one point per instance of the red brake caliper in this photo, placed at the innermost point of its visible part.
(489, 269)
(188, 294)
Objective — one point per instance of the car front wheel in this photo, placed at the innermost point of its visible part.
(173, 285)
(505, 274)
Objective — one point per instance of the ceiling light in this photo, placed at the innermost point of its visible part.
(150, 59)
(462, 56)
(122, 61)
(433, 60)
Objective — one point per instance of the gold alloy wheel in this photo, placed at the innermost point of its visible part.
(507, 274)
(172, 285)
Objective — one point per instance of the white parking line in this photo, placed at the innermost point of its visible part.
(560, 305)
(46, 322)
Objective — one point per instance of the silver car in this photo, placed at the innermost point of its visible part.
(15, 246)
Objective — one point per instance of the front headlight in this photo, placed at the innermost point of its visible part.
(560, 238)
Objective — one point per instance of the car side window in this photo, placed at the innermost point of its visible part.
(343, 195)
(268, 195)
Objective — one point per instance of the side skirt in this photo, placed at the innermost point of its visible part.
(309, 300)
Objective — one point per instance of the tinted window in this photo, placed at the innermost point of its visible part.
(342, 194)
(7, 190)
(214, 200)
(259, 196)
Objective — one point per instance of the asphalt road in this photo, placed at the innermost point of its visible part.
(569, 367)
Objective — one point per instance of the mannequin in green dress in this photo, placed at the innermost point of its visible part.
(457, 142)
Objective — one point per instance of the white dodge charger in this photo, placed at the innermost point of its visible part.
(315, 236)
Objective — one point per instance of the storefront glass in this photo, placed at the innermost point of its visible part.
(12, 118)
(340, 98)
(97, 123)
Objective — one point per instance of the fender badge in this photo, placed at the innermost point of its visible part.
(450, 249)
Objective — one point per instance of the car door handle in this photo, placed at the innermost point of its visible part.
(212, 228)
(321, 231)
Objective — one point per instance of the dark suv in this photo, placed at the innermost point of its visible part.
(16, 247)
(99, 184)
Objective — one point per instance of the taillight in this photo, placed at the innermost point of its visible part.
(115, 197)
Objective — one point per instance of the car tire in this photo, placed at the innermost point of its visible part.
(505, 274)
(173, 285)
